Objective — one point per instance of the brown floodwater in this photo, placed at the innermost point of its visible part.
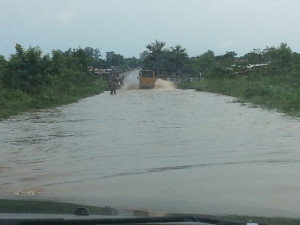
(162, 149)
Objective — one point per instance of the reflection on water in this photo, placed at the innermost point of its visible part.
(164, 144)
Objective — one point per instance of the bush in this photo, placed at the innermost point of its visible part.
(218, 72)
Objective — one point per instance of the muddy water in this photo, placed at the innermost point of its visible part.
(162, 149)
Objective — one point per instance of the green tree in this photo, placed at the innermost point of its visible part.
(226, 60)
(296, 62)
(164, 60)
(76, 59)
(133, 62)
(113, 59)
(58, 61)
(219, 72)
(280, 58)
(202, 63)
(152, 58)
(94, 57)
(144, 55)
(254, 57)
(179, 58)
(27, 69)
(2, 63)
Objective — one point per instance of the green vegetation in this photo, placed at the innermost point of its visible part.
(15, 101)
(30, 80)
(268, 78)
(165, 61)
(266, 92)
(117, 60)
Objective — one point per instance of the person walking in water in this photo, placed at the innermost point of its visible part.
(122, 80)
(112, 87)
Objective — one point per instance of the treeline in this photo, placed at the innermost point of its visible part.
(271, 61)
(119, 62)
(29, 70)
(30, 79)
(269, 77)
(164, 60)
(112, 59)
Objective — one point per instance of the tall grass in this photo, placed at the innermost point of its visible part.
(15, 101)
(267, 92)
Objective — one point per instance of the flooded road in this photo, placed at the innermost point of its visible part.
(162, 149)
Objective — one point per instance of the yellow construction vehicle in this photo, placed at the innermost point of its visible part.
(147, 79)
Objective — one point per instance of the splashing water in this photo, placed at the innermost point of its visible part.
(164, 84)
(159, 84)
(131, 82)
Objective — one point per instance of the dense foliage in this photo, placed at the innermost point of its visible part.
(270, 78)
(272, 61)
(30, 79)
(164, 60)
(30, 71)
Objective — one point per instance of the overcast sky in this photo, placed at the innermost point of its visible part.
(127, 26)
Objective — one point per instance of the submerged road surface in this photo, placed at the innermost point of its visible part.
(162, 149)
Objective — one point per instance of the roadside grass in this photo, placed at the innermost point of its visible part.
(13, 102)
(266, 92)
